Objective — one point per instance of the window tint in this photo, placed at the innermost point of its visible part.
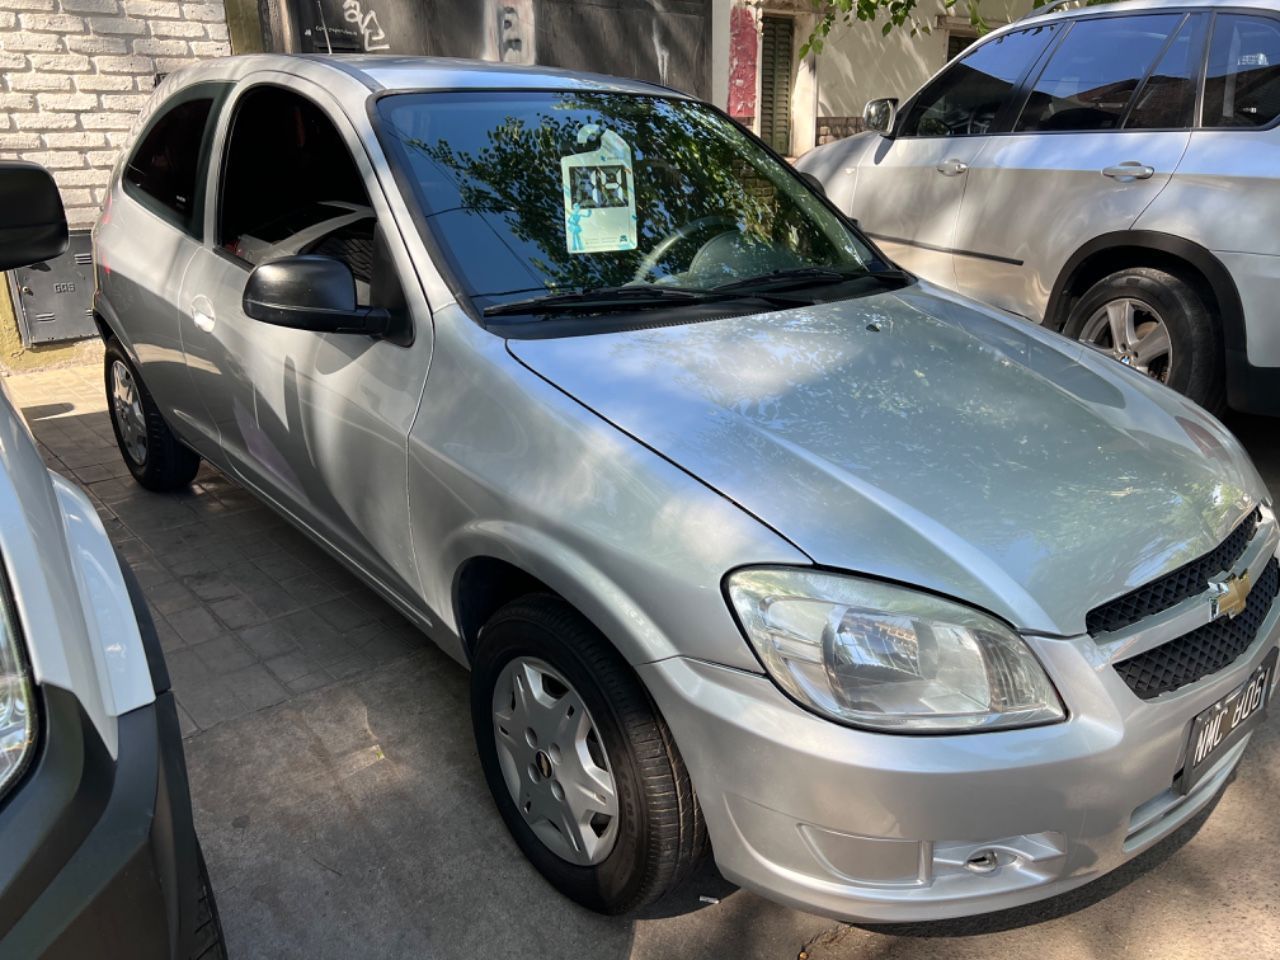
(1242, 86)
(290, 186)
(967, 97)
(1093, 73)
(1168, 98)
(165, 167)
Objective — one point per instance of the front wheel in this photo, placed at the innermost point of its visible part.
(580, 764)
(1159, 324)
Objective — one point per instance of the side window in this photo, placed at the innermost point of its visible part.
(1242, 85)
(291, 186)
(163, 171)
(1092, 75)
(967, 97)
(1168, 99)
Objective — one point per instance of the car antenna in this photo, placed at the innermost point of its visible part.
(1049, 7)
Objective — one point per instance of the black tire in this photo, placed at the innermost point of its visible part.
(661, 835)
(1197, 368)
(207, 942)
(166, 463)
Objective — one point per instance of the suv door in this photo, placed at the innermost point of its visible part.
(910, 185)
(317, 423)
(1102, 127)
(152, 226)
(1235, 154)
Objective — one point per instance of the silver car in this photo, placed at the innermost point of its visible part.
(753, 543)
(1109, 172)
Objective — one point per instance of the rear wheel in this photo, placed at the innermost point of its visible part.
(155, 457)
(581, 765)
(1159, 324)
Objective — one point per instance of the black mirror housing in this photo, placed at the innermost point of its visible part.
(310, 292)
(33, 225)
(814, 183)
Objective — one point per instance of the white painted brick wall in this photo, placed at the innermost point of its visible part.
(75, 73)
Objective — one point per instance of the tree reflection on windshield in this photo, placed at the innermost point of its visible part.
(710, 204)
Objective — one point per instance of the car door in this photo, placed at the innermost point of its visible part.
(315, 422)
(910, 185)
(1103, 125)
(151, 228)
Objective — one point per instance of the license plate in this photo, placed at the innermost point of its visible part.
(1217, 729)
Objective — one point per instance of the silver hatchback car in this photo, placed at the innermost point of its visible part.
(752, 542)
(1109, 172)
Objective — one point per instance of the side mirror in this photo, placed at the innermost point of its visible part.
(881, 115)
(310, 293)
(33, 226)
(814, 183)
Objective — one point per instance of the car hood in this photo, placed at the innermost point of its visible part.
(915, 436)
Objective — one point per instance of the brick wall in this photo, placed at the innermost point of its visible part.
(834, 128)
(75, 73)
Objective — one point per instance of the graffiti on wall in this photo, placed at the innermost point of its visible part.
(664, 41)
(743, 52)
(371, 35)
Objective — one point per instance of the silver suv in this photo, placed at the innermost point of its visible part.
(1109, 172)
(903, 607)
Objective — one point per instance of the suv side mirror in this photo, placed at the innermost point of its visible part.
(33, 226)
(881, 115)
(310, 293)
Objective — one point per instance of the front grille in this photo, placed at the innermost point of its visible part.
(1204, 650)
(1171, 589)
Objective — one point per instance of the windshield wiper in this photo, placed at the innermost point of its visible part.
(793, 277)
(601, 299)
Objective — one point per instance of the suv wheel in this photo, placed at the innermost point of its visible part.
(581, 765)
(1157, 323)
(155, 457)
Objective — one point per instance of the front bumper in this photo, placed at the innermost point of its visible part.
(873, 827)
(100, 854)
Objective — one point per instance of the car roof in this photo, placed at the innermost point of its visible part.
(389, 72)
(1136, 6)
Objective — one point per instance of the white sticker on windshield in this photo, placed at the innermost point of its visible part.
(599, 195)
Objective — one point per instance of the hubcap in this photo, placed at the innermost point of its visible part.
(553, 762)
(127, 406)
(1133, 332)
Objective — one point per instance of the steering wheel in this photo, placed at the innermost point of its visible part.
(683, 232)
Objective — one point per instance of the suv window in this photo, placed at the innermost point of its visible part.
(290, 186)
(1092, 75)
(967, 97)
(1167, 100)
(164, 171)
(1242, 85)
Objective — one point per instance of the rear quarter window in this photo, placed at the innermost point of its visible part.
(166, 170)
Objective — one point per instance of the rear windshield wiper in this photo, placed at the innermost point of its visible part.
(602, 299)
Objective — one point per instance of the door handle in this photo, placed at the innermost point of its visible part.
(1128, 171)
(203, 319)
(952, 167)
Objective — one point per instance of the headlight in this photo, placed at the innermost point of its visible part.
(870, 654)
(17, 705)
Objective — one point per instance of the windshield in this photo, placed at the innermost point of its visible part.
(546, 192)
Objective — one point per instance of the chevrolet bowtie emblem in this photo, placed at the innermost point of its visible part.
(1233, 597)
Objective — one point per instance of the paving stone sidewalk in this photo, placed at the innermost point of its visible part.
(249, 611)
